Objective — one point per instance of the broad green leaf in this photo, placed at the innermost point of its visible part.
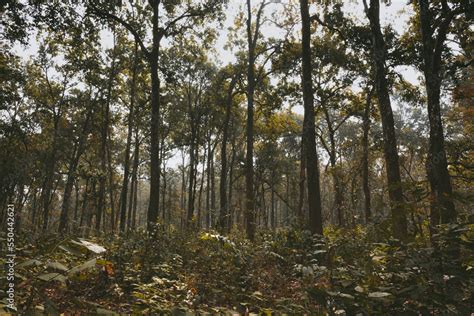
(57, 266)
(378, 294)
(70, 250)
(95, 248)
(53, 277)
(28, 263)
(86, 265)
(103, 311)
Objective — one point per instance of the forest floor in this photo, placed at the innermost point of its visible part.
(347, 272)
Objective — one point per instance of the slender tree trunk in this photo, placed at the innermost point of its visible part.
(442, 206)
(336, 177)
(249, 171)
(79, 149)
(34, 207)
(224, 209)
(49, 177)
(230, 208)
(95, 202)
(208, 182)
(63, 221)
(201, 187)
(114, 215)
(213, 189)
(192, 179)
(365, 156)
(126, 167)
(312, 167)
(287, 196)
(76, 202)
(103, 147)
(302, 184)
(133, 188)
(395, 192)
(272, 215)
(183, 187)
(165, 184)
(135, 203)
(85, 197)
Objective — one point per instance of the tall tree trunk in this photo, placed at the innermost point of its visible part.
(103, 146)
(224, 208)
(79, 149)
(133, 182)
(134, 203)
(272, 214)
(95, 202)
(249, 172)
(49, 177)
(312, 167)
(126, 167)
(76, 202)
(155, 165)
(336, 176)
(231, 175)
(85, 197)
(395, 192)
(63, 220)
(164, 186)
(114, 216)
(34, 207)
(192, 179)
(213, 189)
(183, 186)
(201, 187)
(302, 184)
(208, 182)
(365, 156)
(442, 206)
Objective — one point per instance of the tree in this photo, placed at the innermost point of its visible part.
(395, 191)
(431, 23)
(224, 215)
(131, 119)
(309, 134)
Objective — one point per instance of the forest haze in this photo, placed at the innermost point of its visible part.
(326, 168)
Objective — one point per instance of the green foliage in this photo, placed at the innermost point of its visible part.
(347, 271)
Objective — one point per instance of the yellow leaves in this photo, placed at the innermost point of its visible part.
(278, 124)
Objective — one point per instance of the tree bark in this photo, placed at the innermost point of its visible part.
(126, 167)
(79, 149)
(365, 156)
(201, 188)
(224, 209)
(395, 192)
(249, 172)
(302, 184)
(192, 179)
(312, 167)
(49, 177)
(155, 165)
(336, 177)
(208, 181)
(442, 206)
(103, 146)
(134, 182)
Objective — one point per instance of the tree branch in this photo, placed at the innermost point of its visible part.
(107, 15)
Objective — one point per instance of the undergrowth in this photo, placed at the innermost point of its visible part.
(347, 272)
